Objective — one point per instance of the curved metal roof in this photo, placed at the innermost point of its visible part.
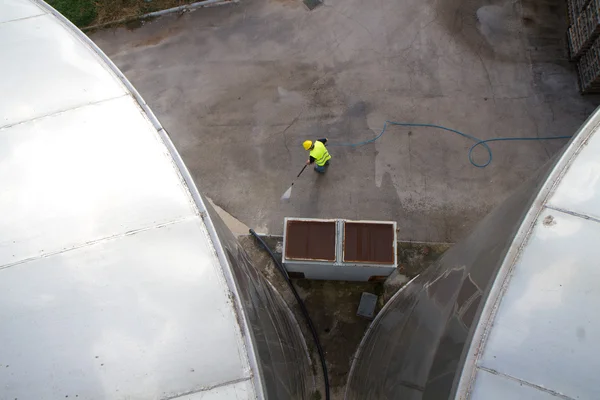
(537, 336)
(113, 283)
(509, 311)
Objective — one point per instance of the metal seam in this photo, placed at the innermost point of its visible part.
(208, 388)
(526, 383)
(573, 213)
(96, 241)
(55, 113)
(23, 18)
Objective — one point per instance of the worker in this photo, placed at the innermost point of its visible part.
(318, 154)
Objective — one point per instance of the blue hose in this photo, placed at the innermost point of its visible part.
(478, 142)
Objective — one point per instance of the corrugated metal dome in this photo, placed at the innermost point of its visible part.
(509, 311)
(536, 337)
(117, 280)
(110, 283)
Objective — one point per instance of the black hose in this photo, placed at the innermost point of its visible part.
(304, 311)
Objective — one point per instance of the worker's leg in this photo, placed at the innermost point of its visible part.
(320, 169)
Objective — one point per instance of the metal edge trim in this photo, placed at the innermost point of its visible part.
(340, 243)
(395, 244)
(363, 263)
(318, 261)
(311, 219)
(468, 374)
(284, 242)
(365, 221)
(191, 186)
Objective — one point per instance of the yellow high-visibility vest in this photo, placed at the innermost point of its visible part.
(320, 153)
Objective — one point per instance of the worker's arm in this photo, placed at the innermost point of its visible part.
(324, 140)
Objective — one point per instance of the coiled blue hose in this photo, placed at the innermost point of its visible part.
(478, 142)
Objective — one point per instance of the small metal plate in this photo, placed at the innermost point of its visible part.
(366, 307)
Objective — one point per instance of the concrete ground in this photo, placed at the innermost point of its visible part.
(239, 88)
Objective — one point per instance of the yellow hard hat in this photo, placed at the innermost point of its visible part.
(307, 144)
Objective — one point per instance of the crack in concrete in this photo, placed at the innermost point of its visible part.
(288, 127)
(487, 74)
(403, 51)
(537, 134)
(355, 21)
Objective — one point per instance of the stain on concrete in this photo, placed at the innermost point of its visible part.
(158, 37)
(137, 23)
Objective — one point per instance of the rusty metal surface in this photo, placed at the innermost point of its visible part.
(310, 240)
(369, 242)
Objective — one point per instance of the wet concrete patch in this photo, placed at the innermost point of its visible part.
(241, 87)
(489, 28)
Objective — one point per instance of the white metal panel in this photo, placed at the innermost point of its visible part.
(142, 316)
(491, 386)
(110, 285)
(546, 328)
(579, 190)
(11, 10)
(82, 175)
(544, 340)
(323, 271)
(49, 71)
(234, 391)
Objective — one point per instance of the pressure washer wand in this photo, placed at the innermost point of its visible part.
(288, 193)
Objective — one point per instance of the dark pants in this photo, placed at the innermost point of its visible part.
(321, 168)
